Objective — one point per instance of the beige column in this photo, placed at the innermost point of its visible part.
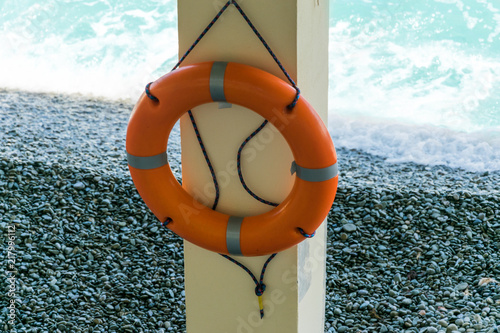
(220, 296)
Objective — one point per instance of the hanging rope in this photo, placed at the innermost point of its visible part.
(207, 159)
(256, 32)
(240, 173)
(209, 26)
(260, 287)
(268, 48)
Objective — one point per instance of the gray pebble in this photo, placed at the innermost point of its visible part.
(349, 227)
(406, 301)
(79, 186)
(365, 305)
(363, 292)
(443, 322)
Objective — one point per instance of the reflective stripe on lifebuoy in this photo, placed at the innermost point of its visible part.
(315, 166)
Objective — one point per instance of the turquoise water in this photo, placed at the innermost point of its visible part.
(409, 80)
(441, 56)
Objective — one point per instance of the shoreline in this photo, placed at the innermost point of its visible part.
(110, 121)
(408, 244)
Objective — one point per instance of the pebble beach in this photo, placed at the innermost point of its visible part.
(411, 248)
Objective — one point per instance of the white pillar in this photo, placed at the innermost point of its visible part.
(219, 295)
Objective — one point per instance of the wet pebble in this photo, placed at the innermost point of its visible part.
(349, 227)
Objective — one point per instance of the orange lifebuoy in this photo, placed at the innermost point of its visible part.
(316, 181)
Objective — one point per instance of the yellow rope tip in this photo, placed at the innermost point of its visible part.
(261, 307)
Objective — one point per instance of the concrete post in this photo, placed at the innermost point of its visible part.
(219, 295)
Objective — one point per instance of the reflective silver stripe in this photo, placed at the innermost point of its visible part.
(315, 175)
(217, 81)
(148, 162)
(233, 235)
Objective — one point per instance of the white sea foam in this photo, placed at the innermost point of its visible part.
(54, 66)
(103, 58)
(422, 144)
(434, 83)
(432, 103)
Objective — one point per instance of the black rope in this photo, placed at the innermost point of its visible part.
(209, 26)
(268, 48)
(166, 222)
(149, 94)
(260, 287)
(257, 33)
(306, 235)
(240, 173)
(207, 159)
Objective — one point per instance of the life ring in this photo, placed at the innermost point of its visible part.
(316, 181)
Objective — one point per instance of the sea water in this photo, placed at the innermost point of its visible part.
(411, 81)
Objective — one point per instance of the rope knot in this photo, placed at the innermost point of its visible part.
(260, 288)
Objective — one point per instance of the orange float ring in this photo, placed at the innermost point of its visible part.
(316, 180)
